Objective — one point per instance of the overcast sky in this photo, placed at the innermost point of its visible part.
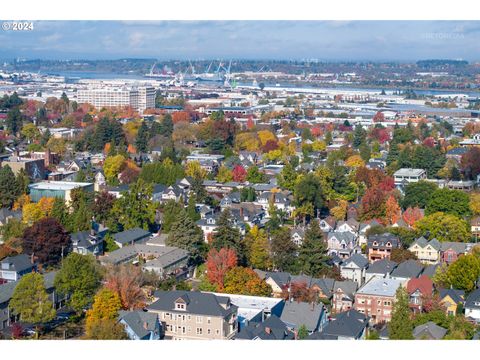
(324, 40)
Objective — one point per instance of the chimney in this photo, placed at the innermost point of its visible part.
(47, 157)
(145, 326)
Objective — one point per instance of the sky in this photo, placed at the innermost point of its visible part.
(323, 40)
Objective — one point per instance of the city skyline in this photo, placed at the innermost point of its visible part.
(280, 40)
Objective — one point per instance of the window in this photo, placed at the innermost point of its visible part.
(209, 331)
(199, 319)
(217, 332)
(199, 331)
(179, 306)
(189, 317)
(189, 329)
(209, 320)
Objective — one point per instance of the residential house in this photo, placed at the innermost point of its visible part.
(88, 242)
(341, 244)
(380, 269)
(417, 289)
(350, 225)
(450, 251)
(380, 246)
(343, 295)
(451, 299)
(191, 315)
(427, 252)
(6, 215)
(407, 270)
(475, 227)
(140, 325)
(100, 181)
(328, 224)
(12, 268)
(375, 299)
(362, 231)
(404, 176)
(130, 237)
(297, 235)
(208, 225)
(472, 306)
(354, 268)
(271, 329)
(323, 288)
(429, 331)
(348, 325)
(295, 314)
(278, 281)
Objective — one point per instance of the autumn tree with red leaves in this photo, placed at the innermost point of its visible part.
(411, 215)
(126, 281)
(373, 204)
(47, 241)
(239, 173)
(218, 264)
(299, 291)
(392, 210)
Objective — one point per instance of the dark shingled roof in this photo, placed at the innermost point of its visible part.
(271, 329)
(135, 234)
(350, 323)
(141, 322)
(17, 263)
(197, 303)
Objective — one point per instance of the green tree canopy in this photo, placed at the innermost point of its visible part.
(401, 326)
(444, 227)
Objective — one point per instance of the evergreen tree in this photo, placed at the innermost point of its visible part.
(9, 187)
(171, 210)
(141, 142)
(359, 136)
(30, 300)
(14, 121)
(191, 208)
(185, 234)
(401, 326)
(284, 250)
(23, 181)
(312, 255)
(228, 236)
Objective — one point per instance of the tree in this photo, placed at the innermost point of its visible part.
(191, 208)
(9, 187)
(309, 190)
(79, 277)
(141, 143)
(245, 281)
(112, 167)
(401, 326)
(411, 215)
(102, 206)
(194, 170)
(23, 181)
(373, 204)
(359, 136)
(171, 210)
(126, 281)
(30, 131)
(101, 322)
(228, 236)
(218, 264)
(283, 250)
(135, 208)
(464, 272)
(455, 202)
(47, 241)
(444, 227)
(340, 211)
(14, 121)
(312, 255)
(401, 255)
(417, 194)
(470, 163)
(239, 174)
(287, 177)
(255, 176)
(392, 210)
(475, 203)
(224, 174)
(302, 332)
(185, 234)
(30, 300)
(258, 249)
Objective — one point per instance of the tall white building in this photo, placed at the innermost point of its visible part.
(139, 98)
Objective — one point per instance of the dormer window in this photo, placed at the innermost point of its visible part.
(375, 243)
(389, 244)
(180, 306)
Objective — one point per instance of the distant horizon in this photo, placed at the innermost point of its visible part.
(327, 41)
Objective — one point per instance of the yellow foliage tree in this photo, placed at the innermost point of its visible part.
(265, 136)
(112, 166)
(194, 170)
(475, 203)
(247, 141)
(355, 161)
(340, 211)
(22, 200)
(32, 212)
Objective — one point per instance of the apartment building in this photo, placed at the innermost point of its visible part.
(188, 315)
(405, 176)
(139, 98)
(376, 298)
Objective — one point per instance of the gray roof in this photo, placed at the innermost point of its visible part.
(408, 269)
(359, 260)
(458, 247)
(422, 242)
(132, 235)
(347, 286)
(197, 303)
(382, 240)
(346, 236)
(296, 314)
(430, 330)
(142, 323)
(456, 295)
(380, 287)
(165, 254)
(6, 213)
(384, 266)
(17, 263)
(280, 278)
(430, 270)
(473, 300)
(271, 329)
(350, 323)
